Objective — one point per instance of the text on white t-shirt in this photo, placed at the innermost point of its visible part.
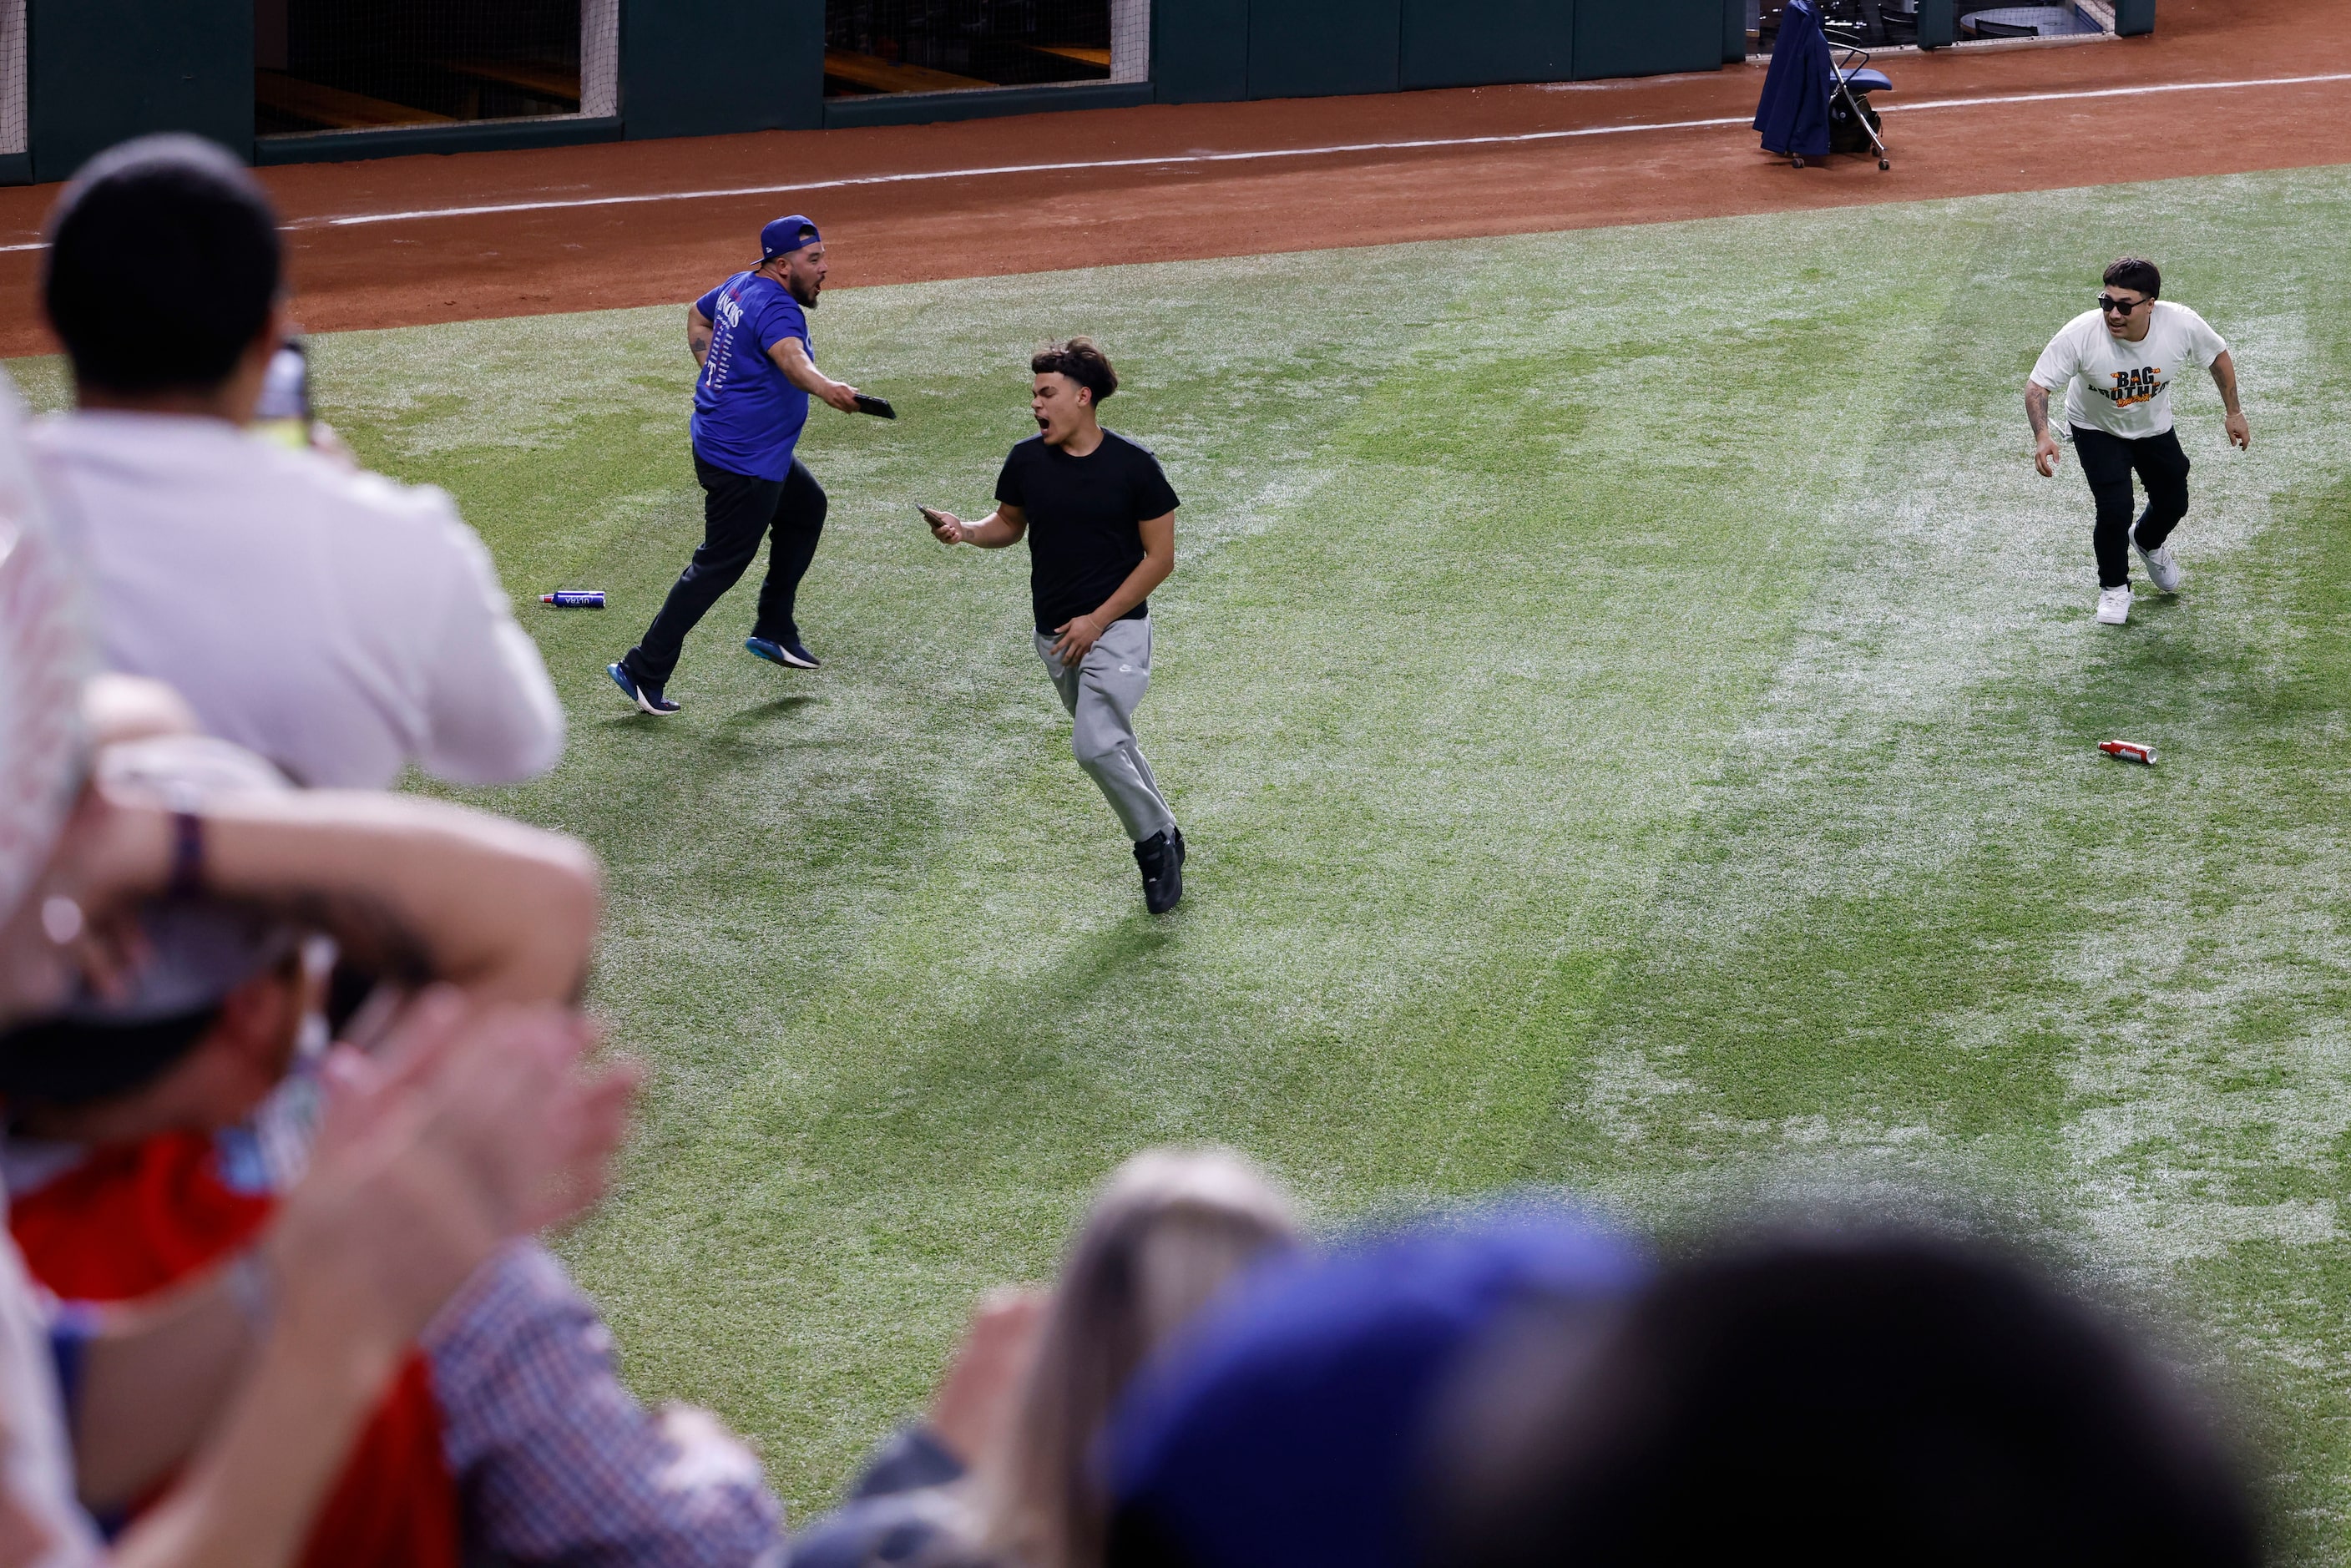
(2122, 388)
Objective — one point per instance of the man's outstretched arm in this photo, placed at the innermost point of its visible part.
(792, 359)
(2224, 376)
(2044, 444)
(1004, 526)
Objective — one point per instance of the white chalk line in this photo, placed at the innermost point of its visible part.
(2120, 91)
(1181, 160)
(1338, 149)
(1168, 160)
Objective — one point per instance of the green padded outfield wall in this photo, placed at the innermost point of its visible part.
(103, 70)
(1199, 50)
(1646, 38)
(702, 67)
(1446, 43)
(1312, 48)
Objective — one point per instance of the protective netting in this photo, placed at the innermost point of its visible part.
(599, 56)
(2083, 20)
(359, 65)
(12, 77)
(948, 45)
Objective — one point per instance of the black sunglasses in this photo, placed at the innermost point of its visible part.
(2108, 303)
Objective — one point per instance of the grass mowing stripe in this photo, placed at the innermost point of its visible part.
(983, 1105)
(1408, 791)
(1928, 930)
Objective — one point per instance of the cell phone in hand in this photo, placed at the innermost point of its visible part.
(879, 407)
(932, 515)
(282, 413)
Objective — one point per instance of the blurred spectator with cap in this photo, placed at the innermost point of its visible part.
(1170, 1232)
(1842, 1399)
(1520, 1392)
(475, 1125)
(337, 623)
(154, 1127)
(1287, 1429)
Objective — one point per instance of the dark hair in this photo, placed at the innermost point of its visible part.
(67, 1064)
(163, 264)
(1079, 359)
(2134, 273)
(1894, 1398)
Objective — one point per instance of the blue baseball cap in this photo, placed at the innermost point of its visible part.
(786, 235)
(1284, 1430)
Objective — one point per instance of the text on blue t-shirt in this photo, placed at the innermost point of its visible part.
(746, 417)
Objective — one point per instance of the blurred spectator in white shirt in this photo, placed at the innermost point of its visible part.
(338, 623)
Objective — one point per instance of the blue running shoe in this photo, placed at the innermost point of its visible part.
(790, 653)
(649, 698)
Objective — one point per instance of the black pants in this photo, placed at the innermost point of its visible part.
(736, 510)
(2108, 462)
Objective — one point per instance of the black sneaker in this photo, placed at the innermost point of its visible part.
(789, 651)
(649, 699)
(1163, 872)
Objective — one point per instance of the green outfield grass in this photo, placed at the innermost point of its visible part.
(1634, 708)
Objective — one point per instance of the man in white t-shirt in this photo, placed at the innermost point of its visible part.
(2116, 365)
(339, 624)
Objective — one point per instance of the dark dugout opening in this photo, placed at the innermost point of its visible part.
(359, 65)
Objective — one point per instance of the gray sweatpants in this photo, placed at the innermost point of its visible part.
(1101, 693)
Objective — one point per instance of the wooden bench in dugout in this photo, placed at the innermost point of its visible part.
(1078, 52)
(553, 84)
(332, 107)
(879, 75)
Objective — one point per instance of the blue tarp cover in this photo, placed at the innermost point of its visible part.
(1794, 114)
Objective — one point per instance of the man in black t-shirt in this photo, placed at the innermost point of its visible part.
(1099, 520)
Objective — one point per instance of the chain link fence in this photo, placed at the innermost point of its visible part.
(13, 116)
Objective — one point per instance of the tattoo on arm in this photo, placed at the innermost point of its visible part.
(2224, 376)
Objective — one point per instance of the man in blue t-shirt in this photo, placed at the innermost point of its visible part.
(749, 404)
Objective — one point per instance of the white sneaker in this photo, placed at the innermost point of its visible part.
(2114, 605)
(2161, 570)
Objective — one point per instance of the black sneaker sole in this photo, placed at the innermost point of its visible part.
(635, 698)
(787, 658)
